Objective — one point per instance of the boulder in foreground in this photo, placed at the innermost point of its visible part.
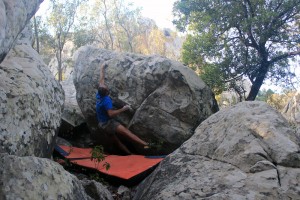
(244, 152)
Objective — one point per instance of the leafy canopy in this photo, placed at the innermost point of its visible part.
(240, 38)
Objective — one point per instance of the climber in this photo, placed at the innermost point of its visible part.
(105, 114)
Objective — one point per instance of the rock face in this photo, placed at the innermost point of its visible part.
(168, 100)
(245, 152)
(72, 113)
(73, 126)
(14, 15)
(31, 102)
(40, 178)
(292, 112)
(96, 190)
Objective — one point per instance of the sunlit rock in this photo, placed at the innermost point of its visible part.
(246, 152)
(168, 100)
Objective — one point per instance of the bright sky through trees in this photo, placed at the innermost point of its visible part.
(158, 10)
(161, 12)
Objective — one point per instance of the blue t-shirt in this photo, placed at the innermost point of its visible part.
(103, 104)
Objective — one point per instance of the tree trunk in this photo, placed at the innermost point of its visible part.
(59, 68)
(36, 35)
(258, 82)
(107, 25)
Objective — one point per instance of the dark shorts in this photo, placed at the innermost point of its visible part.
(109, 127)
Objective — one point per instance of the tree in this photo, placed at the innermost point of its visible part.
(110, 24)
(61, 20)
(157, 41)
(43, 40)
(264, 95)
(279, 101)
(146, 26)
(126, 17)
(153, 40)
(105, 11)
(247, 38)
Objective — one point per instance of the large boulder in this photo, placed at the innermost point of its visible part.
(14, 15)
(31, 102)
(168, 100)
(244, 152)
(39, 178)
(73, 126)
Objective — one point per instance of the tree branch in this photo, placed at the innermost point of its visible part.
(247, 16)
(283, 56)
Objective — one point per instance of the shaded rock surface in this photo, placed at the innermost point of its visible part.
(244, 152)
(31, 102)
(96, 190)
(73, 126)
(168, 100)
(14, 15)
(40, 178)
(72, 113)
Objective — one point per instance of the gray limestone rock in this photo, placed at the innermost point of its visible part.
(14, 15)
(247, 151)
(72, 113)
(31, 102)
(292, 112)
(37, 178)
(168, 100)
(96, 190)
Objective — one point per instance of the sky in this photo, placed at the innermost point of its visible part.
(158, 10)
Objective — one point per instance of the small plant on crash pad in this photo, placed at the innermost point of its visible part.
(97, 155)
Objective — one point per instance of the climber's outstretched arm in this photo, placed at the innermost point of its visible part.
(102, 74)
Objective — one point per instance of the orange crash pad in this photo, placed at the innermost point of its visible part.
(124, 167)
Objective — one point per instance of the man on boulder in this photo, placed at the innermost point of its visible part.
(105, 114)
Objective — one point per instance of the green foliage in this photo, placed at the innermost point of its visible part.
(46, 40)
(118, 25)
(211, 74)
(108, 24)
(97, 155)
(243, 38)
(111, 24)
(213, 77)
(191, 54)
(279, 101)
(83, 37)
(60, 21)
(264, 95)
